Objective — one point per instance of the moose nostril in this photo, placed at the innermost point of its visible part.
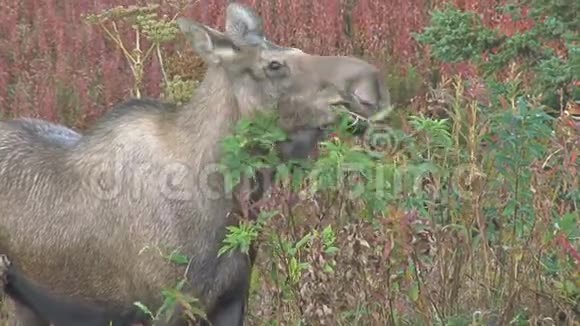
(367, 106)
(370, 107)
(341, 102)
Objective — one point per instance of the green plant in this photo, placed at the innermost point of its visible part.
(351, 238)
(456, 36)
(174, 296)
(469, 173)
(180, 91)
(250, 148)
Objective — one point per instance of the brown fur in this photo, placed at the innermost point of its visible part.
(86, 220)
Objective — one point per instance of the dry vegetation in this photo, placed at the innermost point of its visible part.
(475, 219)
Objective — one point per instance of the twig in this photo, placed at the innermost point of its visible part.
(119, 43)
(162, 65)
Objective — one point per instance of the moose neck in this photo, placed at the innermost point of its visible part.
(208, 118)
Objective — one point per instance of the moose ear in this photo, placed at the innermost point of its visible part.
(211, 45)
(244, 25)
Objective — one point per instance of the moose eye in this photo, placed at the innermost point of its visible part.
(274, 65)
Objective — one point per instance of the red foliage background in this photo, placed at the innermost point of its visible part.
(55, 66)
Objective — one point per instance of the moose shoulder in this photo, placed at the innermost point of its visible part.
(76, 219)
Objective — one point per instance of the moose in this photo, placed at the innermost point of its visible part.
(84, 218)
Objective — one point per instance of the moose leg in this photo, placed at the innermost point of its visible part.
(230, 308)
(229, 313)
(22, 315)
(33, 305)
(234, 280)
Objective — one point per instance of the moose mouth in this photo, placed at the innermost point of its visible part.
(356, 105)
(303, 143)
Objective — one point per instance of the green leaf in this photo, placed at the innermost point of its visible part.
(179, 258)
(568, 224)
(414, 291)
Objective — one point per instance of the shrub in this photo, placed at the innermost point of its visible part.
(463, 218)
(548, 49)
